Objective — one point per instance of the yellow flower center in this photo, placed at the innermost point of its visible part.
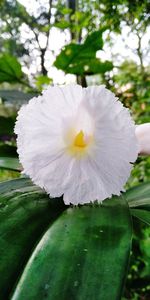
(79, 140)
(79, 143)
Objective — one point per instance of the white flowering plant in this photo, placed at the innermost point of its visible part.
(77, 142)
(67, 224)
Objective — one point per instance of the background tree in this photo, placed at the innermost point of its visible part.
(69, 16)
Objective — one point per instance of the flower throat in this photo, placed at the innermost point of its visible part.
(79, 140)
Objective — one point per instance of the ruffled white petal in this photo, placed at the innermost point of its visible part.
(44, 127)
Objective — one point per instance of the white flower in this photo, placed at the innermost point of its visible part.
(77, 142)
(143, 136)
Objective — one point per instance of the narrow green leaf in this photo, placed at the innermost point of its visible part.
(138, 196)
(16, 184)
(10, 163)
(141, 214)
(83, 255)
(25, 213)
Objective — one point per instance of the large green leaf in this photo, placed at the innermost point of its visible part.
(83, 250)
(89, 66)
(83, 255)
(10, 69)
(94, 41)
(10, 163)
(25, 213)
(81, 59)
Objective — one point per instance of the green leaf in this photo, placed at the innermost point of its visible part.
(25, 213)
(67, 56)
(83, 255)
(94, 40)
(17, 184)
(15, 97)
(138, 196)
(10, 163)
(141, 214)
(10, 69)
(89, 67)
(63, 24)
(41, 81)
(81, 59)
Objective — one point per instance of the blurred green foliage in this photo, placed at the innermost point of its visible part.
(90, 25)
